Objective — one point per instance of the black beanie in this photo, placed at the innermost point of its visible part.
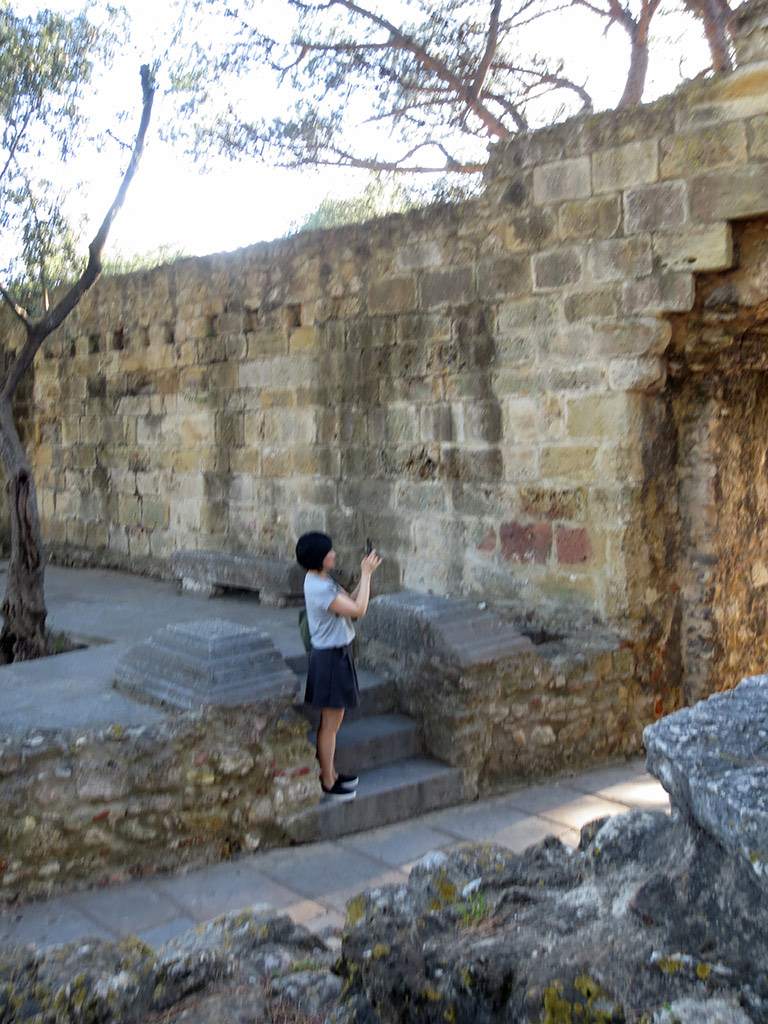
(312, 548)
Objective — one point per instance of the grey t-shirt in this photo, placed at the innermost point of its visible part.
(326, 629)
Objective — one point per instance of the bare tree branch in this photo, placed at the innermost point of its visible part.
(18, 310)
(38, 331)
(401, 41)
(492, 41)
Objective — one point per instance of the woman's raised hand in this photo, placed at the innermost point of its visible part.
(370, 563)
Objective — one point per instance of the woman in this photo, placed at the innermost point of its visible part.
(332, 679)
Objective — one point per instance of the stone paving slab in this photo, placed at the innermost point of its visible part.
(221, 888)
(321, 872)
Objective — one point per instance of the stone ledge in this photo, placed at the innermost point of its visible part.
(455, 632)
(277, 582)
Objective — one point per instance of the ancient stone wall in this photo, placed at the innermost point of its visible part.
(84, 807)
(482, 388)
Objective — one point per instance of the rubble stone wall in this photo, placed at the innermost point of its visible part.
(95, 807)
(483, 388)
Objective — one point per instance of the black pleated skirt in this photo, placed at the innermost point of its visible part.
(332, 679)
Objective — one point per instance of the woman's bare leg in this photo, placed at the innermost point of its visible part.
(330, 722)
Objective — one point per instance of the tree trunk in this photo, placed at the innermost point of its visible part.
(715, 16)
(638, 69)
(23, 635)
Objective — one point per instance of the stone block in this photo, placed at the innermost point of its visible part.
(617, 259)
(697, 249)
(659, 293)
(718, 146)
(401, 425)
(603, 302)
(729, 195)
(454, 286)
(749, 30)
(639, 338)
(573, 462)
(301, 339)
(128, 509)
(526, 543)
(757, 137)
(563, 179)
(623, 167)
(154, 513)
(276, 581)
(504, 277)
(604, 417)
(557, 268)
(445, 632)
(419, 254)
(197, 430)
(436, 423)
(712, 759)
(392, 295)
(529, 231)
(641, 374)
(553, 502)
(196, 664)
(572, 545)
(589, 218)
(656, 207)
(472, 464)
(741, 94)
(482, 422)
(521, 418)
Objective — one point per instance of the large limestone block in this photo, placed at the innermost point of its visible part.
(712, 759)
(445, 630)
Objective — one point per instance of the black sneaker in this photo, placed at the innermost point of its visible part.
(337, 792)
(347, 781)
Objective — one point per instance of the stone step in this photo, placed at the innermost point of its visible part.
(391, 793)
(372, 742)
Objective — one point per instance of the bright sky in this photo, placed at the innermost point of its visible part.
(172, 202)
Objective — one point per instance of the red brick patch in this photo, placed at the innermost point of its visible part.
(573, 545)
(530, 543)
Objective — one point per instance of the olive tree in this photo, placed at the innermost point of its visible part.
(47, 62)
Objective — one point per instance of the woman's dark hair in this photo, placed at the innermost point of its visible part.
(312, 548)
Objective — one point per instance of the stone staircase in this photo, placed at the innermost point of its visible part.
(397, 780)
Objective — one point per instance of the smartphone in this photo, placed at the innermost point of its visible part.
(368, 546)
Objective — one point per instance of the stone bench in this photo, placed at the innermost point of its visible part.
(276, 581)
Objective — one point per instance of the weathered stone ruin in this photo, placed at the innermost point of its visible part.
(549, 401)
(549, 398)
(654, 918)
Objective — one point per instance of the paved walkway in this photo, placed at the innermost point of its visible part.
(310, 883)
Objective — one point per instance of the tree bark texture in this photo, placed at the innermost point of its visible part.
(23, 635)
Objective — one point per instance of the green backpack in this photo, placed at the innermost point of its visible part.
(304, 630)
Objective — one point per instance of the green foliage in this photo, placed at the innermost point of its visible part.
(378, 198)
(384, 195)
(117, 263)
(46, 67)
(474, 908)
